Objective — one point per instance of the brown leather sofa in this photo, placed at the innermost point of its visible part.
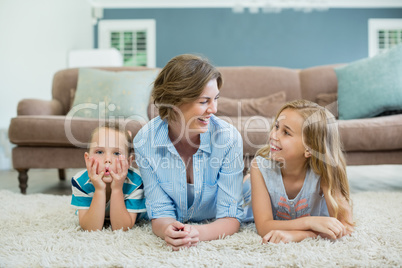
(41, 134)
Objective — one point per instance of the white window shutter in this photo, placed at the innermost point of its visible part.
(384, 34)
(135, 39)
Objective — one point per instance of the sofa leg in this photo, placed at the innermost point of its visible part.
(23, 179)
(62, 174)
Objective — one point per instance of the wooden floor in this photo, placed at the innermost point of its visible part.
(361, 178)
(39, 181)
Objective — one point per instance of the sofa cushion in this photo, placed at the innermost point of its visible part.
(39, 107)
(56, 131)
(329, 101)
(253, 129)
(370, 86)
(317, 80)
(102, 94)
(266, 106)
(48, 157)
(372, 134)
(259, 81)
(66, 80)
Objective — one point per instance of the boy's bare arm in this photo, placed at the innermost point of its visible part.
(92, 219)
(120, 218)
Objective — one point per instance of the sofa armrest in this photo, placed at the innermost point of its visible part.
(39, 107)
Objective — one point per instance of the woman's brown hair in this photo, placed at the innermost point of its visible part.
(182, 80)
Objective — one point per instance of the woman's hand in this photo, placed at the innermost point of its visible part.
(119, 177)
(96, 179)
(193, 233)
(179, 235)
(328, 227)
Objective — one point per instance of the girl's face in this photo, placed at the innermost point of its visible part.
(286, 138)
(196, 115)
(106, 147)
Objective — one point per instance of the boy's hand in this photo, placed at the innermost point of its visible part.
(96, 179)
(120, 176)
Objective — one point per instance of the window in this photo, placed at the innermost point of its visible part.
(384, 34)
(135, 39)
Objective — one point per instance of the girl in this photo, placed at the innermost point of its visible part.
(298, 180)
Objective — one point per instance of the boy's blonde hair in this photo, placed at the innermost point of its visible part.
(182, 80)
(118, 128)
(321, 138)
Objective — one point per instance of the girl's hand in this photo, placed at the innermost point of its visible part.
(328, 227)
(349, 229)
(96, 179)
(122, 170)
(277, 236)
(178, 235)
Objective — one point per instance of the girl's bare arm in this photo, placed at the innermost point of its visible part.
(265, 222)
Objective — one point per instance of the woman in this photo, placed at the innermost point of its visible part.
(191, 161)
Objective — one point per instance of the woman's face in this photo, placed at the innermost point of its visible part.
(196, 115)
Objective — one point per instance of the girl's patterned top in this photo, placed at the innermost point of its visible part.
(309, 201)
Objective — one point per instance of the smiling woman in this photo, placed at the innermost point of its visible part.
(201, 175)
(196, 114)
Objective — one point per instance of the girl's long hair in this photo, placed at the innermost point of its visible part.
(321, 137)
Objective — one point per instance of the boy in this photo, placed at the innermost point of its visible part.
(109, 188)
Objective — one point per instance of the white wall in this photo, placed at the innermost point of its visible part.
(35, 37)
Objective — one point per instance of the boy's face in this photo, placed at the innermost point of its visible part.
(106, 147)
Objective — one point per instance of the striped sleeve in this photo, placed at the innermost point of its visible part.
(82, 191)
(158, 203)
(229, 195)
(133, 190)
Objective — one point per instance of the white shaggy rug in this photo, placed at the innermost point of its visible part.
(42, 230)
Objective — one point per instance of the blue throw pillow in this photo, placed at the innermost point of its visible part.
(106, 94)
(371, 86)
